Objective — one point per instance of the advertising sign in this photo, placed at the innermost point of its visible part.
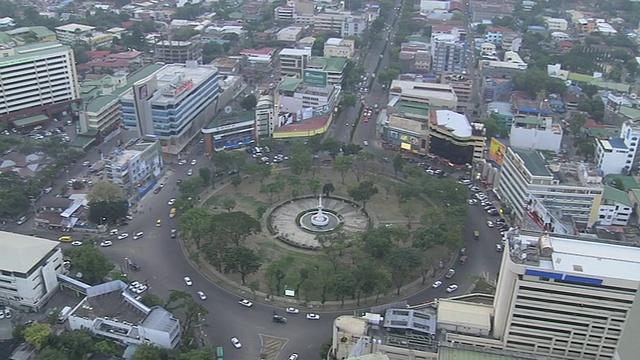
(185, 86)
(497, 151)
(314, 78)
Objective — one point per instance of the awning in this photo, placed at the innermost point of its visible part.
(30, 121)
(405, 146)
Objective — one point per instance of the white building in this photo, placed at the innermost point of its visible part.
(111, 312)
(265, 115)
(336, 47)
(353, 25)
(6, 22)
(284, 13)
(71, 34)
(556, 24)
(293, 61)
(290, 34)
(136, 165)
(630, 134)
(38, 76)
(435, 95)
(427, 6)
(173, 104)
(295, 97)
(571, 188)
(448, 53)
(29, 269)
(536, 133)
(613, 156)
(261, 58)
(615, 208)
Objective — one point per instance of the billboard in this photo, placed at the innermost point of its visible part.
(497, 151)
(314, 78)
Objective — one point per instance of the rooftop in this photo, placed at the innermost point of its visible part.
(533, 161)
(133, 148)
(295, 52)
(458, 124)
(329, 64)
(31, 51)
(263, 51)
(615, 195)
(109, 306)
(21, 252)
(289, 84)
(406, 107)
(580, 260)
(415, 320)
(73, 27)
(234, 117)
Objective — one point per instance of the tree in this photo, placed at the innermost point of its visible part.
(314, 185)
(349, 99)
(301, 162)
(342, 284)
(295, 184)
(398, 164)
(235, 226)
(104, 212)
(149, 352)
(76, 344)
(206, 175)
(342, 165)
(361, 164)
(377, 242)
(328, 188)
(241, 260)
(192, 186)
(276, 272)
(363, 192)
(229, 204)
(303, 276)
(577, 123)
(249, 102)
(195, 223)
(236, 181)
(332, 146)
(91, 262)
(260, 210)
(493, 127)
(49, 353)
(401, 262)
(36, 334)
(273, 188)
(104, 191)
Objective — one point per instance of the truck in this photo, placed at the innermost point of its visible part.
(64, 314)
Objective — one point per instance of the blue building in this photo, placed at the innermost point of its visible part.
(173, 104)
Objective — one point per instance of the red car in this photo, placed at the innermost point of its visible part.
(366, 120)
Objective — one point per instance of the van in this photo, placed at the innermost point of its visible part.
(64, 314)
(22, 220)
(65, 239)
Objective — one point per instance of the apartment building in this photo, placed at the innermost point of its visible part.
(136, 166)
(354, 25)
(100, 109)
(71, 34)
(573, 188)
(178, 52)
(264, 58)
(613, 156)
(173, 104)
(37, 77)
(29, 269)
(556, 24)
(344, 23)
(337, 47)
(293, 61)
(615, 208)
(441, 96)
(448, 54)
(463, 87)
(415, 57)
(285, 13)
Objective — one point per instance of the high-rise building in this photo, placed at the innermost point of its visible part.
(173, 104)
(37, 77)
(293, 61)
(448, 54)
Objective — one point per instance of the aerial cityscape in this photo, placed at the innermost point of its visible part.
(319, 179)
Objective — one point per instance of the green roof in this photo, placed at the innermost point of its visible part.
(41, 31)
(289, 83)
(235, 117)
(601, 133)
(329, 64)
(94, 99)
(31, 120)
(630, 112)
(413, 108)
(627, 181)
(82, 142)
(236, 15)
(619, 196)
(418, 38)
(533, 161)
(611, 85)
(5, 38)
(580, 77)
(529, 120)
(30, 52)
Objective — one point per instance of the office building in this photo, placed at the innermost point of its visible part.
(440, 96)
(178, 52)
(615, 207)
(265, 114)
(29, 269)
(284, 13)
(110, 311)
(613, 156)
(353, 25)
(293, 61)
(511, 65)
(415, 57)
(305, 98)
(135, 166)
(453, 137)
(336, 47)
(230, 129)
(72, 34)
(290, 34)
(535, 132)
(630, 134)
(36, 78)
(449, 54)
(463, 87)
(333, 67)
(572, 188)
(493, 88)
(100, 113)
(260, 58)
(173, 104)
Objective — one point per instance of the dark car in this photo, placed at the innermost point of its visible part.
(279, 319)
(157, 190)
(174, 233)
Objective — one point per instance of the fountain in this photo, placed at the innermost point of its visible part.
(319, 219)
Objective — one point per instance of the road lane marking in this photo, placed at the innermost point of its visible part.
(271, 346)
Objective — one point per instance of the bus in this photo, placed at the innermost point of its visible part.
(220, 353)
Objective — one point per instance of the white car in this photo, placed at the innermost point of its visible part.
(193, 162)
(366, 143)
(76, 243)
(171, 201)
(140, 289)
(293, 356)
(245, 302)
(292, 310)
(113, 232)
(106, 243)
(123, 236)
(452, 288)
(187, 280)
(7, 313)
(134, 284)
(182, 162)
(436, 284)
(86, 163)
(490, 224)
(190, 172)
(236, 343)
(202, 295)
(312, 316)
(138, 235)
